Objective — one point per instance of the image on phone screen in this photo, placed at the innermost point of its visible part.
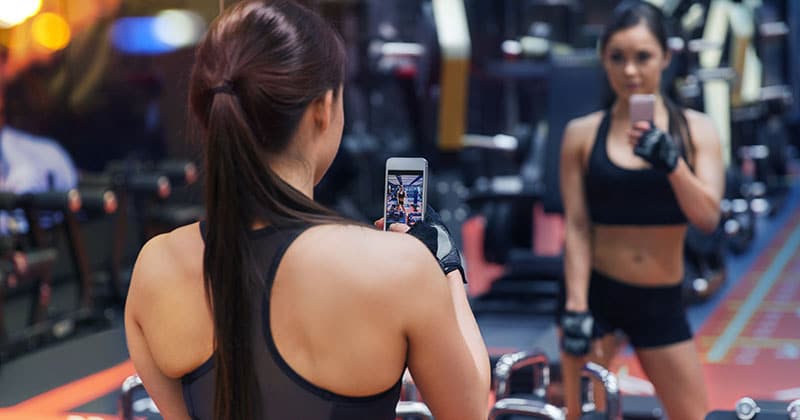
(404, 200)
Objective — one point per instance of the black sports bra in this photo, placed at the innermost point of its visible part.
(283, 393)
(620, 196)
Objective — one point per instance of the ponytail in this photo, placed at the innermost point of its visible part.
(229, 281)
(257, 69)
(241, 188)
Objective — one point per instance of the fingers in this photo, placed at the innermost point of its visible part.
(634, 136)
(394, 227)
(399, 227)
(636, 131)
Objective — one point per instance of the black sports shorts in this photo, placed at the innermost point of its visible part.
(649, 316)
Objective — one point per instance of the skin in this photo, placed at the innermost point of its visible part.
(409, 313)
(639, 255)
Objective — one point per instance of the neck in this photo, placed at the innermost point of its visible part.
(295, 172)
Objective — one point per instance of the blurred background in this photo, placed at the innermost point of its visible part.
(99, 154)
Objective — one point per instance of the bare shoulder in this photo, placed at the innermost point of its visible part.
(166, 262)
(701, 126)
(579, 132)
(362, 254)
(167, 301)
(585, 124)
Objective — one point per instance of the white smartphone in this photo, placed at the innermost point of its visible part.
(405, 193)
(642, 107)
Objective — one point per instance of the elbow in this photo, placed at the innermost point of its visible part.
(707, 222)
(708, 226)
(706, 217)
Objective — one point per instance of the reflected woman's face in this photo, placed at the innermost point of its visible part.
(633, 60)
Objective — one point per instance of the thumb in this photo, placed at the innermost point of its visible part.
(399, 227)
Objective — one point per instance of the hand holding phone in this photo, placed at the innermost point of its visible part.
(405, 191)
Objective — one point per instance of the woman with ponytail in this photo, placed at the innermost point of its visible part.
(629, 191)
(274, 307)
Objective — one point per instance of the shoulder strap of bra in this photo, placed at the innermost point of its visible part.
(605, 125)
(601, 136)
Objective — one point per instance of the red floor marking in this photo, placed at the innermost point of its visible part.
(481, 273)
(764, 362)
(74, 394)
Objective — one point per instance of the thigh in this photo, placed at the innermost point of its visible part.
(677, 376)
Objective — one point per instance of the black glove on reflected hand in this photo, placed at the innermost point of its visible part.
(577, 330)
(657, 147)
(434, 234)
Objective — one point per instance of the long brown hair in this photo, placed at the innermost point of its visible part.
(256, 71)
(628, 14)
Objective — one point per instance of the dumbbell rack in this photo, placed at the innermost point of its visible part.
(141, 189)
(28, 258)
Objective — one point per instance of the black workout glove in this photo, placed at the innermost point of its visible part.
(434, 234)
(657, 147)
(577, 327)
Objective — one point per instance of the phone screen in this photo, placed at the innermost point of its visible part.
(404, 197)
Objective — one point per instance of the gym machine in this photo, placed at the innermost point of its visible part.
(28, 253)
(142, 190)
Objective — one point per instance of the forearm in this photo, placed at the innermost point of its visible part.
(469, 327)
(577, 266)
(699, 202)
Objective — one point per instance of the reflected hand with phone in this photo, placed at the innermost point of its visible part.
(655, 146)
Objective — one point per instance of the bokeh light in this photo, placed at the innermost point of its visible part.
(166, 32)
(51, 31)
(178, 28)
(14, 12)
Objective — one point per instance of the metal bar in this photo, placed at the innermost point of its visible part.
(611, 387)
(512, 362)
(522, 407)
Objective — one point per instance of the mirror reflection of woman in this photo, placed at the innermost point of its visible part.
(630, 191)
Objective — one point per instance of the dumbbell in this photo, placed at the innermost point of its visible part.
(51, 200)
(513, 362)
(131, 384)
(98, 200)
(739, 223)
(413, 409)
(794, 410)
(524, 407)
(179, 172)
(610, 386)
(142, 183)
(746, 409)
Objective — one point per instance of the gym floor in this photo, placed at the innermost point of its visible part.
(748, 335)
